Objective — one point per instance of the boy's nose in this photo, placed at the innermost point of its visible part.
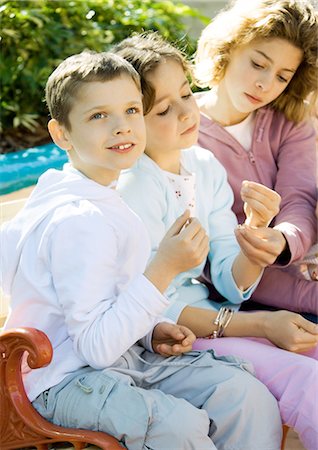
(121, 127)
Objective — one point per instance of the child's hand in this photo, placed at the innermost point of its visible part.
(261, 204)
(172, 340)
(290, 331)
(262, 246)
(185, 245)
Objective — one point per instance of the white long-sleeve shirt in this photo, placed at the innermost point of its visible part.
(73, 262)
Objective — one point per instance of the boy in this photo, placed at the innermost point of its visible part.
(74, 262)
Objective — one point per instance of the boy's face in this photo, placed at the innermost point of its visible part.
(173, 122)
(107, 132)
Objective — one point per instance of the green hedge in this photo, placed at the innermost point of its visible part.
(37, 35)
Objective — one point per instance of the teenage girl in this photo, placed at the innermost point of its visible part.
(259, 59)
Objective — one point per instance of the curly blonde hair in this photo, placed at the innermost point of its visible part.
(245, 21)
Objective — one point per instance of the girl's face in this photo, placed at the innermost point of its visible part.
(258, 73)
(173, 122)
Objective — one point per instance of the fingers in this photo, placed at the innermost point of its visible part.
(266, 211)
(301, 348)
(190, 337)
(185, 226)
(261, 204)
(195, 235)
(180, 333)
(262, 251)
(181, 339)
(204, 248)
(263, 237)
(174, 332)
(302, 341)
(173, 350)
(201, 241)
(184, 246)
(177, 226)
(192, 228)
(286, 330)
(307, 326)
(303, 338)
(304, 334)
(261, 193)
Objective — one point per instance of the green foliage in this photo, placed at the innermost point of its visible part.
(37, 35)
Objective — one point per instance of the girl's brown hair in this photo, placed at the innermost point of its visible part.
(245, 21)
(145, 52)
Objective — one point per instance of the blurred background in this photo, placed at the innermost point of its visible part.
(37, 34)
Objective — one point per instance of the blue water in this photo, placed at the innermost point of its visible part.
(23, 168)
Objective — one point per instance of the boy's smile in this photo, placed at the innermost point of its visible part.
(122, 148)
(107, 130)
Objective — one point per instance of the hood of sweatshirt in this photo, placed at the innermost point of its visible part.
(54, 189)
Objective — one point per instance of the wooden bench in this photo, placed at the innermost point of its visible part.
(20, 424)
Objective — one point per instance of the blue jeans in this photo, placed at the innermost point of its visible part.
(196, 401)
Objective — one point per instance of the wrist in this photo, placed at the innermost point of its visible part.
(282, 240)
(221, 322)
(246, 324)
(159, 273)
(265, 323)
(284, 257)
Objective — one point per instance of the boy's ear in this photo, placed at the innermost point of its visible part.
(59, 134)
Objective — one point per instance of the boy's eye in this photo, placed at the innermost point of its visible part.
(185, 97)
(133, 110)
(97, 116)
(163, 113)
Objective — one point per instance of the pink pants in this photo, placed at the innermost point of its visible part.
(292, 378)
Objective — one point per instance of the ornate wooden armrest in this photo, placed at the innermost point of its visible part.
(285, 431)
(20, 424)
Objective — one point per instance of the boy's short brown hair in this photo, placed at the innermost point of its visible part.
(64, 83)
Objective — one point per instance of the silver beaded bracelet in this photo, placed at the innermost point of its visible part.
(221, 321)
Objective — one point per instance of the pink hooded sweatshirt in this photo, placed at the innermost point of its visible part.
(282, 157)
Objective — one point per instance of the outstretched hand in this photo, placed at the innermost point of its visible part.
(261, 204)
(262, 246)
(172, 340)
(290, 331)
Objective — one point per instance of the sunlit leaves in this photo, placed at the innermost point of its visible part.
(36, 35)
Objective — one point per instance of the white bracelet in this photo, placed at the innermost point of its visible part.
(221, 321)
